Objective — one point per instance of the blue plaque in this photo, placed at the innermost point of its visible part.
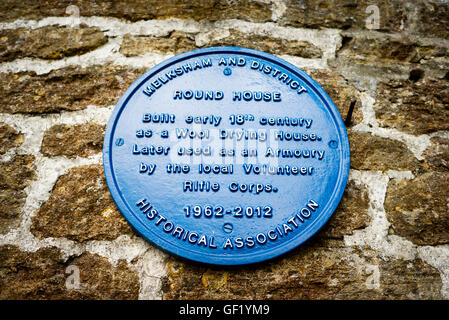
(226, 156)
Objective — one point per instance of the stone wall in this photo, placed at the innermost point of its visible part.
(63, 66)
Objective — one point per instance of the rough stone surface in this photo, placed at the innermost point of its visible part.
(80, 208)
(81, 140)
(437, 155)
(134, 10)
(269, 44)
(351, 214)
(370, 152)
(341, 14)
(341, 93)
(175, 42)
(9, 138)
(308, 273)
(15, 176)
(178, 42)
(418, 209)
(71, 88)
(380, 49)
(413, 107)
(49, 42)
(382, 57)
(44, 274)
(402, 279)
(437, 67)
(431, 18)
(415, 17)
(366, 76)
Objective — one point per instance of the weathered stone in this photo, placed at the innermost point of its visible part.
(375, 56)
(428, 18)
(49, 42)
(341, 93)
(402, 279)
(341, 14)
(365, 76)
(413, 107)
(71, 88)
(17, 173)
(437, 155)
(436, 67)
(134, 10)
(369, 57)
(45, 274)
(80, 208)
(9, 138)
(351, 214)
(376, 48)
(81, 140)
(269, 44)
(431, 19)
(175, 42)
(15, 176)
(418, 209)
(370, 152)
(307, 273)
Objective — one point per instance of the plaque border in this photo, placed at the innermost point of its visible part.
(219, 259)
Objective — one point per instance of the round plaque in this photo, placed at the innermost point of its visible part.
(226, 156)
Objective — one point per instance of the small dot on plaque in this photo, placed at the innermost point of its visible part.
(333, 144)
(227, 71)
(227, 227)
(119, 142)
